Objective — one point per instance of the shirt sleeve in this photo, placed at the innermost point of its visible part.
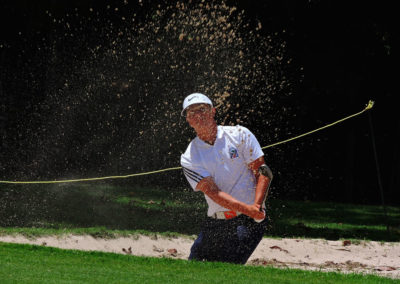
(193, 169)
(251, 148)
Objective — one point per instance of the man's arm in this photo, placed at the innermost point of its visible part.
(208, 186)
(263, 181)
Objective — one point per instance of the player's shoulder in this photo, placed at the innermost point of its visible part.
(190, 152)
(189, 147)
(236, 130)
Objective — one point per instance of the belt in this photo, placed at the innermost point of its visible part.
(225, 215)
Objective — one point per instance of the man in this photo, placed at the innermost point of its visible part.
(227, 164)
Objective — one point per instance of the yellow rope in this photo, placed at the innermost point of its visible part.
(369, 106)
(90, 179)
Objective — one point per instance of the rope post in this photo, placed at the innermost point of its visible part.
(378, 172)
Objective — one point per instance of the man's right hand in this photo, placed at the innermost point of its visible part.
(255, 212)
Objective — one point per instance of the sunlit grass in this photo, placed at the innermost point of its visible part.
(36, 264)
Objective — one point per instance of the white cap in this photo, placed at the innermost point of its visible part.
(195, 98)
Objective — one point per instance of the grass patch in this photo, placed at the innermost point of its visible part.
(36, 264)
(334, 220)
(107, 211)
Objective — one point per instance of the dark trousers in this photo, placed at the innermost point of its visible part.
(232, 240)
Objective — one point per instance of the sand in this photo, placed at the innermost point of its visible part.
(382, 259)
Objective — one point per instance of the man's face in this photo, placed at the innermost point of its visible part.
(199, 115)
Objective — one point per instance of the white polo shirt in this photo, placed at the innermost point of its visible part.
(226, 162)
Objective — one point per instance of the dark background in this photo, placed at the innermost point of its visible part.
(342, 56)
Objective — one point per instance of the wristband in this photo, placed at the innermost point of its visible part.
(265, 171)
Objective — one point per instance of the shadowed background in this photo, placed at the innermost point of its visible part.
(89, 88)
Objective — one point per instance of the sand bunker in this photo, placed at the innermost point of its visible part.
(378, 258)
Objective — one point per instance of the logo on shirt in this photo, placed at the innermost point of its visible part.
(233, 152)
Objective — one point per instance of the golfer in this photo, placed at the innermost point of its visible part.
(227, 164)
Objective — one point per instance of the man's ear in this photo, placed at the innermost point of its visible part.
(214, 111)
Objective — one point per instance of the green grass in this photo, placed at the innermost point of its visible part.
(107, 210)
(334, 221)
(36, 264)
